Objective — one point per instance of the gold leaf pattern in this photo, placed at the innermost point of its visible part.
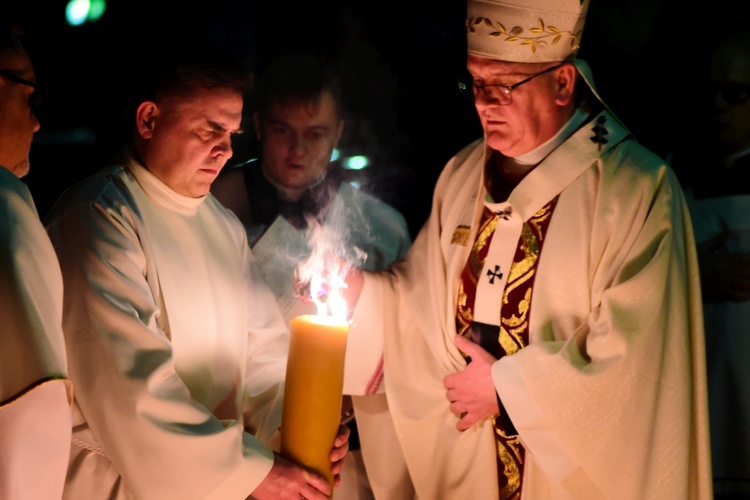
(537, 37)
(513, 333)
(461, 235)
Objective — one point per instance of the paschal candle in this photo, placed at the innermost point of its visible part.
(313, 391)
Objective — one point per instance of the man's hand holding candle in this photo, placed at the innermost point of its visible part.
(271, 488)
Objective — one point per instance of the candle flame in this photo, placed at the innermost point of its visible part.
(323, 274)
(332, 256)
(326, 287)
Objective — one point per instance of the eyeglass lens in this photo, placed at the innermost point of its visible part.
(499, 92)
(36, 98)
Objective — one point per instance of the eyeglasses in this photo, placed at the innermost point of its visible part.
(734, 94)
(497, 91)
(36, 99)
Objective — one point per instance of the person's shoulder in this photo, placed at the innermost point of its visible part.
(370, 205)
(100, 183)
(632, 168)
(465, 166)
(475, 147)
(104, 186)
(373, 224)
(10, 185)
(347, 190)
(17, 209)
(630, 154)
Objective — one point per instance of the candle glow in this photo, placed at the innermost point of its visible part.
(314, 385)
(315, 367)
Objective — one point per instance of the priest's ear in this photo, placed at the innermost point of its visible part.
(565, 78)
(145, 118)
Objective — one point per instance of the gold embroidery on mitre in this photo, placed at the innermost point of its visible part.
(540, 36)
(461, 235)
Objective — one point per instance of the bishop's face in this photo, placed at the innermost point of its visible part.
(539, 106)
(297, 141)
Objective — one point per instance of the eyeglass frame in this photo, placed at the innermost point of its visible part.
(36, 97)
(463, 86)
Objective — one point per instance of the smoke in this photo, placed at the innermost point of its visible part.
(333, 253)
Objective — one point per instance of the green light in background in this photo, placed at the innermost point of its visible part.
(78, 12)
(356, 162)
(97, 9)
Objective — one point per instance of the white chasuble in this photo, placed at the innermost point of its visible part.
(609, 397)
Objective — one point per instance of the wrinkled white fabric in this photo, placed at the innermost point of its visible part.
(171, 336)
(609, 398)
(35, 394)
(727, 345)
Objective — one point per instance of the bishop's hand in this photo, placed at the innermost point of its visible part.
(471, 392)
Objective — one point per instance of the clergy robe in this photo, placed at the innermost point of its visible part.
(35, 393)
(720, 204)
(171, 337)
(609, 397)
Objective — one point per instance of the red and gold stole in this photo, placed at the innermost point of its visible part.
(513, 332)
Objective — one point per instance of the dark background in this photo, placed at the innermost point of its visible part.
(401, 60)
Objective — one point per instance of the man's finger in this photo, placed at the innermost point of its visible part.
(470, 348)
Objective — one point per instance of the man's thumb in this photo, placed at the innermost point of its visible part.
(464, 344)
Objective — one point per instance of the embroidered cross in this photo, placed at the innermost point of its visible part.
(599, 132)
(494, 274)
(505, 213)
